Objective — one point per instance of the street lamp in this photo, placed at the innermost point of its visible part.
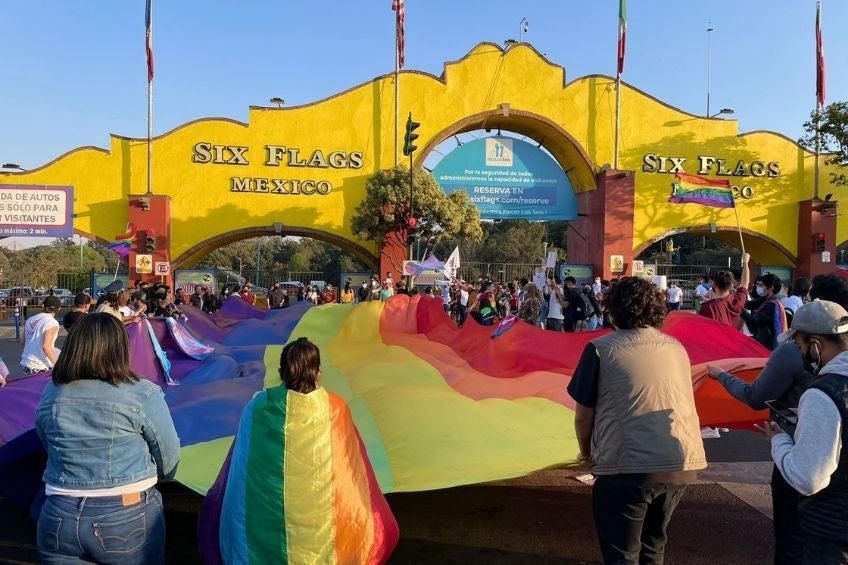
(523, 27)
(278, 101)
(723, 111)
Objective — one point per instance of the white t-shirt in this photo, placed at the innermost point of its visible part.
(674, 294)
(34, 330)
(554, 307)
(792, 302)
(463, 297)
(702, 290)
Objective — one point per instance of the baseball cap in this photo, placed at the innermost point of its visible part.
(114, 286)
(52, 302)
(819, 317)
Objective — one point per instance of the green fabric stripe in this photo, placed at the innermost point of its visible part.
(265, 514)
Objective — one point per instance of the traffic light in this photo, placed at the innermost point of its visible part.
(410, 137)
(150, 241)
(821, 244)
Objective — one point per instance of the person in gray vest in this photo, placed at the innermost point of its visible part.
(636, 424)
(813, 461)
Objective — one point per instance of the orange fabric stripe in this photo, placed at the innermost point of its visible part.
(352, 512)
(703, 181)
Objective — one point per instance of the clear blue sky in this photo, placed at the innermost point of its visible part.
(73, 72)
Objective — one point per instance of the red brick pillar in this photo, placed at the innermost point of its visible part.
(150, 212)
(815, 216)
(392, 255)
(605, 224)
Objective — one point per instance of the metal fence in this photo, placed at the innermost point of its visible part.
(501, 272)
(74, 281)
(691, 272)
(264, 279)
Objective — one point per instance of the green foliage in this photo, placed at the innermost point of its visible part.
(386, 209)
(38, 266)
(277, 254)
(510, 241)
(693, 250)
(833, 137)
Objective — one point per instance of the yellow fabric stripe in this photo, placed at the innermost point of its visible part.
(308, 485)
(434, 436)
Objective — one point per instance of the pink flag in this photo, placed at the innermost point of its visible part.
(148, 40)
(397, 6)
(819, 57)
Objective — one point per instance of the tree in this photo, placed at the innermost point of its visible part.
(385, 212)
(833, 138)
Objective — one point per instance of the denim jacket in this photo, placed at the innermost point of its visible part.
(99, 436)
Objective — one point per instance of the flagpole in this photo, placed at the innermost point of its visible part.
(818, 147)
(619, 67)
(150, 113)
(617, 118)
(739, 228)
(397, 94)
(820, 94)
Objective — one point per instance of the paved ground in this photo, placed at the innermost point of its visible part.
(540, 519)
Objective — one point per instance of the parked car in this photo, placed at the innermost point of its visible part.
(21, 296)
(64, 294)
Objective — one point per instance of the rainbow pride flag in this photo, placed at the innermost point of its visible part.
(693, 189)
(299, 488)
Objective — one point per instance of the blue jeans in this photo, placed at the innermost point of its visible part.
(102, 530)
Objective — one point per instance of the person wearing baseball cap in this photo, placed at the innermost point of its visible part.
(40, 331)
(812, 461)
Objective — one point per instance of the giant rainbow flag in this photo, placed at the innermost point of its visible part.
(436, 406)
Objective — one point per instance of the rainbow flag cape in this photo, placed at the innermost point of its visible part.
(299, 487)
(122, 248)
(693, 189)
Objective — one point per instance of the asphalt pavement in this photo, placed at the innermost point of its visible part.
(542, 518)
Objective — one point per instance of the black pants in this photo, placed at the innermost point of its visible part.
(788, 541)
(818, 551)
(461, 314)
(569, 324)
(632, 520)
(554, 324)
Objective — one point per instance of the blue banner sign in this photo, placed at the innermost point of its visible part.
(36, 210)
(508, 178)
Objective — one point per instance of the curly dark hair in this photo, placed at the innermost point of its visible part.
(830, 287)
(635, 303)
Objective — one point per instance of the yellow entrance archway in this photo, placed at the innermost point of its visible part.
(306, 166)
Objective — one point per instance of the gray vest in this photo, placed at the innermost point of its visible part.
(645, 418)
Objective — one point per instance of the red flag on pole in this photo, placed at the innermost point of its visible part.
(819, 57)
(148, 40)
(397, 6)
(622, 33)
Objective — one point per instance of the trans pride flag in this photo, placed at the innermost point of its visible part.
(688, 188)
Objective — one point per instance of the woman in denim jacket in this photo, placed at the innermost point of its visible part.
(109, 438)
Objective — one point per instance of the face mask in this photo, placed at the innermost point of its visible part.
(761, 291)
(812, 358)
(597, 281)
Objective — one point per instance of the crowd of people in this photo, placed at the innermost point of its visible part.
(635, 418)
